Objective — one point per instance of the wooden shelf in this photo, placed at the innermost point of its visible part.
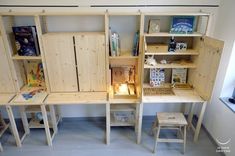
(171, 65)
(77, 98)
(180, 96)
(167, 34)
(124, 55)
(17, 57)
(151, 50)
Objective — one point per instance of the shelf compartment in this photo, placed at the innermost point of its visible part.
(18, 57)
(33, 123)
(119, 122)
(167, 34)
(171, 65)
(151, 50)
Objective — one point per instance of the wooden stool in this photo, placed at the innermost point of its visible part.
(170, 121)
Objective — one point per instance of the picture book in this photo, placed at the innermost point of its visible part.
(35, 76)
(26, 40)
(179, 75)
(183, 24)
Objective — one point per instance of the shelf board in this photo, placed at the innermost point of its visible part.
(17, 57)
(121, 107)
(151, 51)
(124, 55)
(167, 34)
(171, 65)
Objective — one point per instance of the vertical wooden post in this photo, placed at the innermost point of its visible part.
(190, 115)
(24, 119)
(199, 122)
(107, 123)
(13, 125)
(46, 124)
(140, 117)
(53, 118)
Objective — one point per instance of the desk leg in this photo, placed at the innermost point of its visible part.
(24, 119)
(46, 125)
(13, 125)
(140, 117)
(190, 115)
(53, 118)
(107, 123)
(199, 122)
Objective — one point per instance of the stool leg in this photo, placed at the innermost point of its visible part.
(156, 138)
(185, 137)
(1, 149)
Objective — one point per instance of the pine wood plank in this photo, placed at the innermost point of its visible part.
(6, 81)
(77, 98)
(60, 61)
(90, 53)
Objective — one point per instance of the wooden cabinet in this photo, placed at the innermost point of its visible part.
(90, 54)
(60, 62)
(75, 61)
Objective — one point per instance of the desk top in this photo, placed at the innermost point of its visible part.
(181, 96)
(77, 98)
(5, 98)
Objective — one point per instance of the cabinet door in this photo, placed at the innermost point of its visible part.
(6, 81)
(90, 52)
(60, 62)
(207, 65)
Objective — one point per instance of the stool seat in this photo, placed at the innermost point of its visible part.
(171, 119)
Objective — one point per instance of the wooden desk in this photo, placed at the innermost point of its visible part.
(17, 101)
(75, 99)
(188, 96)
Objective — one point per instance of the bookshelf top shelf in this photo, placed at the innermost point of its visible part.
(18, 57)
(167, 34)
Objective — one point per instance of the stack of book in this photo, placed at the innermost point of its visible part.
(26, 40)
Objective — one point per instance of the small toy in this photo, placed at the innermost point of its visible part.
(151, 61)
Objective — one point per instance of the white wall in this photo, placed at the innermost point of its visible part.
(220, 120)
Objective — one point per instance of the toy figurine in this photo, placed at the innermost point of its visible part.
(172, 45)
(151, 61)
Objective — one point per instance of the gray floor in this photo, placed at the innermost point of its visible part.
(86, 138)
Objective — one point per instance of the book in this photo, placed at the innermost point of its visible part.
(179, 75)
(114, 43)
(135, 51)
(35, 75)
(182, 24)
(26, 40)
